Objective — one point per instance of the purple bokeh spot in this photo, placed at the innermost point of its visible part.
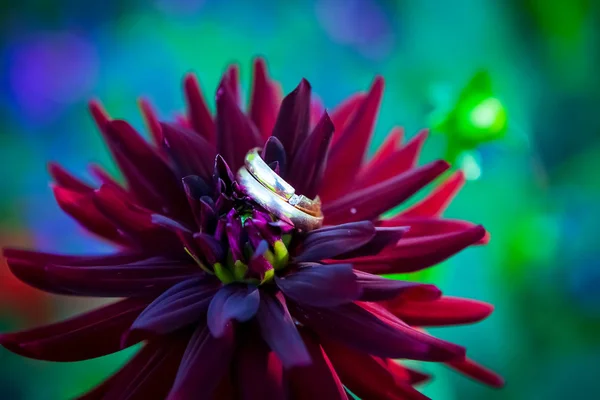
(50, 71)
(361, 24)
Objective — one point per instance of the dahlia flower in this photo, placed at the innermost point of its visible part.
(231, 302)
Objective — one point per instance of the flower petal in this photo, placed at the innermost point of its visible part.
(274, 152)
(440, 312)
(66, 180)
(179, 306)
(333, 241)
(200, 119)
(478, 372)
(370, 377)
(342, 114)
(232, 302)
(438, 200)
(375, 331)
(90, 335)
(279, 331)
(205, 361)
(321, 285)
(151, 120)
(190, 152)
(318, 380)
(149, 374)
(400, 161)
(414, 254)
(257, 370)
(348, 153)
(387, 148)
(235, 132)
(292, 124)
(377, 288)
(310, 160)
(370, 202)
(263, 102)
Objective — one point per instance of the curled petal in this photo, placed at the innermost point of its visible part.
(232, 302)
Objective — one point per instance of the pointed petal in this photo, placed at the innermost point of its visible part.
(372, 329)
(90, 335)
(334, 241)
(67, 181)
(377, 288)
(309, 163)
(370, 377)
(263, 102)
(274, 152)
(191, 153)
(389, 146)
(293, 120)
(151, 120)
(236, 134)
(400, 161)
(205, 361)
(441, 312)
(82, 208)
(232, 302)
(149, 374)
(200, 119)
(321, 285)
(233, 76)
(181, 305)
(478, 372)
(414, 254)
(436, 202)
(258, 371)
(370, 202)
(279, 331)
(348, 153)
(318, 380)
(39, 257)
(343, 113)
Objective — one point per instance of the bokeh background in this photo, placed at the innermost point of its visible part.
(511, 92)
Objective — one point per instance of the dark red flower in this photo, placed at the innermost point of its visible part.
(230, 301)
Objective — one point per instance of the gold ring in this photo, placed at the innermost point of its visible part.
(269, 179)
(275, 204)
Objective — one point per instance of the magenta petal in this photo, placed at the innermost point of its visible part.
(274, 152)
(235, 132)
(232, 302)
(39, 257)
(279, 331)
(293, 120)
(205, 361)
(93, 334)
(389, 337)
(263, 102)
(200, 119)
(148, 375)
(319, 380)
(475, 371)
(371, 202)
(310, 160)
(181, 305)
(333, 241)
(377, 288)
(66, 180)
(257, 370)
(321, 285)
(192, 154)
(440, 312)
